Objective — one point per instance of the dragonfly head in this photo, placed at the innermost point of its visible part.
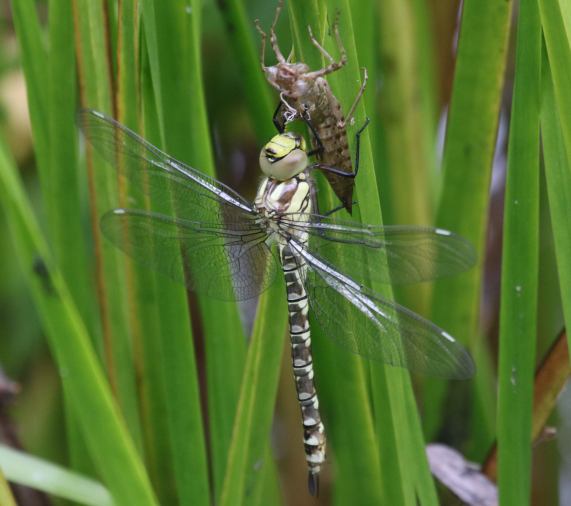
(284, 156)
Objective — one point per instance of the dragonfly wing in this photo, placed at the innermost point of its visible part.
(397, 254)
(223, 263)
(159, 182)
(369, 325)
(176, 212)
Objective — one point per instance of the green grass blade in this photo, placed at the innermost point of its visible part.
(223, 334)
(408, 146)
(557, 173)
(467, 163)
(50, 76)
(34, 58)
(147, 296)
(52, 109)
(128, 70)
(257, 399)
(392, 396)
(268, 488)
(92, 38)
(556, 116)
(177, 80)
(520, 262)
(36, 473)
(105, 432)
(225, 354)
(366, 16)
(62, 192)
(405, 165)
(558, 41)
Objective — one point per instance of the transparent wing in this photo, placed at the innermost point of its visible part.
(183, 214)
(397, 254)
(367, 324)
(218, 262)
(160, 182)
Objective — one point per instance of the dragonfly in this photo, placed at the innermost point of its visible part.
(232, 249)
(306, 94)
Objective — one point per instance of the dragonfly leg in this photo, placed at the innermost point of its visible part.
(263, 36)
(349, 118)
(321, 49)
(273, 37)
(338, 208)
(333, 65)
(279, 123)
(358, 144)
(278, 118)
(334, 170)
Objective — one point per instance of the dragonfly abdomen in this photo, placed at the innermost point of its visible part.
(302, 360)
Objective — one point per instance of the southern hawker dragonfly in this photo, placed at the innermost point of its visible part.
(225, 242)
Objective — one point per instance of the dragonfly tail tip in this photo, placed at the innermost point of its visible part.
(313, 483)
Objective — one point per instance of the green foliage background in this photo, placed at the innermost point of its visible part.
(168, 398)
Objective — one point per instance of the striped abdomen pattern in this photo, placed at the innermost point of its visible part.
(297, 300)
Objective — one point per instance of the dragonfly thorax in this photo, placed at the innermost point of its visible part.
(290, 199)
(284, 156)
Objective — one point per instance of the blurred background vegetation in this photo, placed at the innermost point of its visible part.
(165, 397)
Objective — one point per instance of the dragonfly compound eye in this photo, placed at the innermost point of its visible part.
(284, 156)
